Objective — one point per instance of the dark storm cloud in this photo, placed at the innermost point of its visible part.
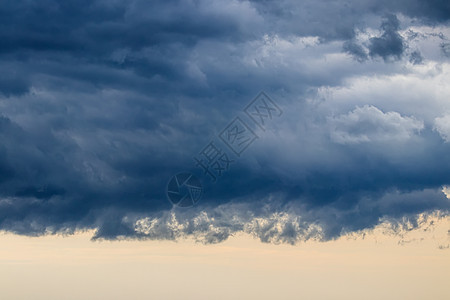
(434, 11)
(101, 102)
(390, 44)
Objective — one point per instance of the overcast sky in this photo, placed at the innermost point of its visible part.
(102, 102)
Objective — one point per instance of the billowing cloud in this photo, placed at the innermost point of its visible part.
(369, 124)
(102, 102)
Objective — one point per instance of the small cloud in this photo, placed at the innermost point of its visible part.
(390, 44)
(369, 124)
(416, 58)
(446, 191)
(442, 126)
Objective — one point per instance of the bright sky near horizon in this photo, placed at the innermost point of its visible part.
(378, 266)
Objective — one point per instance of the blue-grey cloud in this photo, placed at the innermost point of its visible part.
(416, 58)
(102, 102)
(390, 43)
(356, 50)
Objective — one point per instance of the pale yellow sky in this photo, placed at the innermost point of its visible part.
(380, 266)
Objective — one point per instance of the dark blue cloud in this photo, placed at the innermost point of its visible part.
(390, 43)
(102, 102)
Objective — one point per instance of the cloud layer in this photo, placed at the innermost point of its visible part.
(101, 102)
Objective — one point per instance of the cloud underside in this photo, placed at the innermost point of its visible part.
(102, 102)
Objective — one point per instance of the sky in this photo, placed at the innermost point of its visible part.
(376, 265)
(282, 121)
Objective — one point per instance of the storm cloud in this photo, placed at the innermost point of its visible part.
(390, 43)
(102, 102)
